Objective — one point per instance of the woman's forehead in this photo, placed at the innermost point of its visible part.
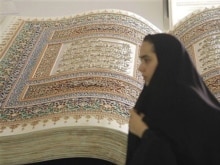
(146, 47)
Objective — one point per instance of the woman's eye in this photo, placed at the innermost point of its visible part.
(146, 60)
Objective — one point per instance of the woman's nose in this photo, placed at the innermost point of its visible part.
(141, 68)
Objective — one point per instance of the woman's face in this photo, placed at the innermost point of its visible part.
(148, 60)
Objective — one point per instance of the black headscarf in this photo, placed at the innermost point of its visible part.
(177, 103)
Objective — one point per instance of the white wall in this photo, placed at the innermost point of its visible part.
(152, 10)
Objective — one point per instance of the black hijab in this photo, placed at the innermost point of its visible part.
(178, 104)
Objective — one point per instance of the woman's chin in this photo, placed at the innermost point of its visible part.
(146, 83)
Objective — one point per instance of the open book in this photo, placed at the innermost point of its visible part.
(67, 84)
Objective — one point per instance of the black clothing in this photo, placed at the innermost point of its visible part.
(182, 114)
(74, 161)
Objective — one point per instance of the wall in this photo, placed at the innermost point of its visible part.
(152, 10)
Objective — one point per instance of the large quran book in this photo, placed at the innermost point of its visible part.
(200, 33)
(67, 84)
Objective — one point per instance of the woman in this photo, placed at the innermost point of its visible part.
(176, 119)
